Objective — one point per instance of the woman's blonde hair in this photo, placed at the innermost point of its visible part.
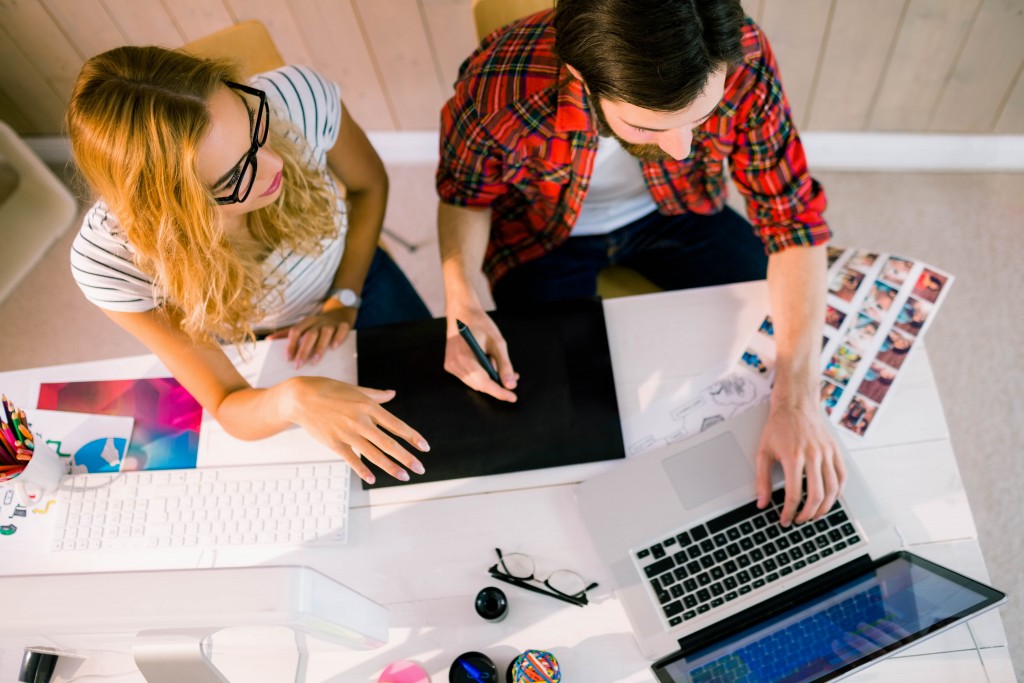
(136, 119)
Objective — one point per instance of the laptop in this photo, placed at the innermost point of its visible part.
(717, 590)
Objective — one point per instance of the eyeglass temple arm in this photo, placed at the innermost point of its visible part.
(579, 602)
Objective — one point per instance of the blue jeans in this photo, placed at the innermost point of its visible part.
(388, 296)
(673, 252)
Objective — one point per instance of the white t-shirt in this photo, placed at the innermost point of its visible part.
(617, 194)
(102, 260)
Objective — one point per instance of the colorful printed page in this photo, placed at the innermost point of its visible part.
(879, 306)
(167, 418)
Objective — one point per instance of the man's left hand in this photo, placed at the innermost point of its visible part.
(798, 439)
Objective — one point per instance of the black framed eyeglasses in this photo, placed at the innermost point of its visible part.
(562, 584)
(244, 175)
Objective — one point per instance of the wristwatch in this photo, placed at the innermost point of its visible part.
(346, 297)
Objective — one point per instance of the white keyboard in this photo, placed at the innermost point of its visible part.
(203, 508)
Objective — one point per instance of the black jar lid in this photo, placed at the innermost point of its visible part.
(467, 662)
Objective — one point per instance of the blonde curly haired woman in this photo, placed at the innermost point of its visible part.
(217, 222)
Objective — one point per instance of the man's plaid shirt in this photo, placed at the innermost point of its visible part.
(518, 136)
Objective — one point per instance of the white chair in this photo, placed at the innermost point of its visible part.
(38, 208)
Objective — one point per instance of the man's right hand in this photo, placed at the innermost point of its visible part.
(460, 361)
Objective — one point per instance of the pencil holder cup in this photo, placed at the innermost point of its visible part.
(41, 475)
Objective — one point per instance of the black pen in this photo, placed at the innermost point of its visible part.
(481, 357)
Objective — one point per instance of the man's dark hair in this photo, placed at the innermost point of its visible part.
(655, 54)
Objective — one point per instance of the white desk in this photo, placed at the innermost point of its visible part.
(423, 551)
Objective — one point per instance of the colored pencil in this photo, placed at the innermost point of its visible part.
(7, 410)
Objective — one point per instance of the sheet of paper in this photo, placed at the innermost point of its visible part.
(879, 305)
(94, 443)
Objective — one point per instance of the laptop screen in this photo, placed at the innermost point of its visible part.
(899, 600)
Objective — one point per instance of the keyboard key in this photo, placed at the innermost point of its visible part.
(704, 579)
(772, 577)
(703, 595)
(680, 573)
(731, 596)
(676, 591)
(684, 539)
(721, 555)
(657, 551)
(773, 532)
(703, 608)
(720, 540)
(698, 533)
(746, 528)
(707, 545)
(673, 608)
(690, 585)
(733, 549)
(693, 567)
(693, 552)
(680, 557)
(717, 602)
(690, 615)
(733, 533)
(675, 621)
(717, 573)
(669, 541)
(659, 567)
(707, 562)
(667, 580)
(689, 602)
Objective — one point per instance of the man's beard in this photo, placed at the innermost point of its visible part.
(643, 152)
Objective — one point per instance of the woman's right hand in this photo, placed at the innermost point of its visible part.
(349, 420)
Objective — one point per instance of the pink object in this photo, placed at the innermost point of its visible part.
(404, 672)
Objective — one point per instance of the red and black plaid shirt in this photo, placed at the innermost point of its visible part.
(518, 136)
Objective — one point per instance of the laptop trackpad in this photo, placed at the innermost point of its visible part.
(706, 471)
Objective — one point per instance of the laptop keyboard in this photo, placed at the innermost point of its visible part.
(697, 569)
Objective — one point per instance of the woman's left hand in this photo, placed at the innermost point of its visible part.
(310, 338)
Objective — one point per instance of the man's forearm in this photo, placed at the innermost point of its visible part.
(796, 286)
(463, 234)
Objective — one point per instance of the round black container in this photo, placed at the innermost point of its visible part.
(476, 661)
(491, 604)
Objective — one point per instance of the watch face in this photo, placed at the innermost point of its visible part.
(348, 298)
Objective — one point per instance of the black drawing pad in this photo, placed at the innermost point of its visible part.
(567, 412)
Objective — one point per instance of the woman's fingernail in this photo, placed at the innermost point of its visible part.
(422, 445)
(370, 479)
(417, 467)
(402, 475)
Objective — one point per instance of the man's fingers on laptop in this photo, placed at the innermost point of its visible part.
(831, 480)
(816, 494)
(794, 491)
(764, 464)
